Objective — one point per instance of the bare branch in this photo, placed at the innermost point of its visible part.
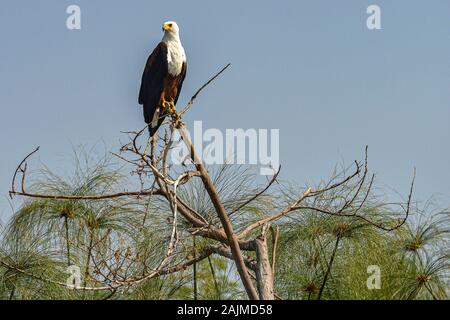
(191, 102)
(223, 216)
(224, 251)
(275, 235)
(274, 178)
(274, 217)
(19, 168)
(90, 197)
(355, 214)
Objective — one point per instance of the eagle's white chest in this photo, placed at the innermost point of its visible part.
(175, 57)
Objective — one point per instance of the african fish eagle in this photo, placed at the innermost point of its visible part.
(163, 77)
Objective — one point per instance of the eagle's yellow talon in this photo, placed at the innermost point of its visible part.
(172, 111)
(165, 104)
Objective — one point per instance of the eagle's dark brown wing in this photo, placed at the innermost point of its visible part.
(153, 82)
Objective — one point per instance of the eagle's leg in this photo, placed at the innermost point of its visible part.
(171, 108)
(170, 105)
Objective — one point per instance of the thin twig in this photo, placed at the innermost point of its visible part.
(188, 106)
(17, 170)
(274, 178)
(89, 197)
(274, 217)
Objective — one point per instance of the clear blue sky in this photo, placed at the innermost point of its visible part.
(310, 68)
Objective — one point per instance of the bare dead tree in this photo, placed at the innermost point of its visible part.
(247, 246)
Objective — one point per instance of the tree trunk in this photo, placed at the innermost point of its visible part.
(195, 268)
(223, 216)
(264, 275)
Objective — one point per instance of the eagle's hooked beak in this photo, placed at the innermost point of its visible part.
(167, 26)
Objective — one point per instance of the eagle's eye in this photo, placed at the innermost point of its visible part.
(170, 25)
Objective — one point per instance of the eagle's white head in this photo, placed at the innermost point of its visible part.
(171, 30)
(175, 51)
